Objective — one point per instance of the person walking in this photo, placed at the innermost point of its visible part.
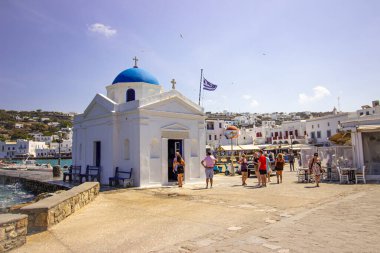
(244, 169)
(279, 167)
(291, 160)
(208, 163)
(263, 168)
(256, 165)
(179, 165)
(316, 168)
(269, 169)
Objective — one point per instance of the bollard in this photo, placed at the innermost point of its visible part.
(56, 171)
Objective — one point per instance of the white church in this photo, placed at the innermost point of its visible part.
(138, 125)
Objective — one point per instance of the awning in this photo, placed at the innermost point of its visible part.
(228, 148)
(301, 146)
(249, 147)
(341, 138)
(368, 128)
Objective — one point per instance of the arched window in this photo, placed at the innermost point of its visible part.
(130, 95)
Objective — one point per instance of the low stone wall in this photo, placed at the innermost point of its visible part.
(52, 210)
(13, 229)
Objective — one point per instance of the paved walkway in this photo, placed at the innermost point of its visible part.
(288, 217)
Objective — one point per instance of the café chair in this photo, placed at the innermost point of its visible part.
(360, 175)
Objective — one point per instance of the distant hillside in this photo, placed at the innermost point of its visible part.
(19, 124)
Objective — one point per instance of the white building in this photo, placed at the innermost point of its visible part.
(65, 146)
(53, 124)
(365, 139)
(368, 110)
(40, 137)
(10, 149)
(215, 132)
(292, 132)
(320, 129)
(20, 148)
(28, 148)
(19, 125)
(138, 125)
(3, 152)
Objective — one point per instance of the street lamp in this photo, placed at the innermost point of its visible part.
(59, 147)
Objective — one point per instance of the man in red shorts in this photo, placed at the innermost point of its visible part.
(263, 168)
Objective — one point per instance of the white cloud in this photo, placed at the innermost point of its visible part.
(319, 93)
(102, 29)
(246, 97)
(254, 103)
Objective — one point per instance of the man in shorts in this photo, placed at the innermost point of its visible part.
(263, 168)
(208, 163)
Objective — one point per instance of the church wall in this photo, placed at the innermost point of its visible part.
(85, 135)
(128, 132)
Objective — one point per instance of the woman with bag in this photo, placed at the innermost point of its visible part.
(279, 167)
(180, 165)
(316, 168)
(243, 169)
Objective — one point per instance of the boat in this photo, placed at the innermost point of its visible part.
(27, 165)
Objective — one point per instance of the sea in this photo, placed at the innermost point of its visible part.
(64, 162)
(11, 194)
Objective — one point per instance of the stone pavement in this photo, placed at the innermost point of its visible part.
(288, 217)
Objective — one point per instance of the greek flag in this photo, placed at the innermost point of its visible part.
(209, 86)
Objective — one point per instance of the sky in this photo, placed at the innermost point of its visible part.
(264, 55)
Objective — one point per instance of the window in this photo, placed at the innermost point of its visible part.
(312, 135)
(220, 125)
(210, 125)
(328, 123)
(361, 114)
(130, 95)
(328, 133)
(209, 137)
(215, 137)
(312, 126)
(318, 134)
(318, 125)
(367, 113)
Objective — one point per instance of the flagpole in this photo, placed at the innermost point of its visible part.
(200, 87)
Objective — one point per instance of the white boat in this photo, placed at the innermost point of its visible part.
(28, 165)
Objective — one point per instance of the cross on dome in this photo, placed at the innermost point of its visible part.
(136, 60)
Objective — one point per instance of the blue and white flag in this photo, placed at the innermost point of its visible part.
(209, 86)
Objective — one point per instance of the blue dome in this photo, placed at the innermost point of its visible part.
(135, 75)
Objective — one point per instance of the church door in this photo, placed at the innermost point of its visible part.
(97, 153)
(173, 147)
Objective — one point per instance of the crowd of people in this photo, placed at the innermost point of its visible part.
(262, 167)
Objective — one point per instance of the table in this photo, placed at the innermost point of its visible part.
(306, 170)
(350, 172)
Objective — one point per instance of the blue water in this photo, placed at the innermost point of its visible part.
(52, 162)
(11, 194)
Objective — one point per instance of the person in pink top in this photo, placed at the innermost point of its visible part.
(208, 163)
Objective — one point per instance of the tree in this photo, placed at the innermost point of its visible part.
(19, 134)
(66, 123)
